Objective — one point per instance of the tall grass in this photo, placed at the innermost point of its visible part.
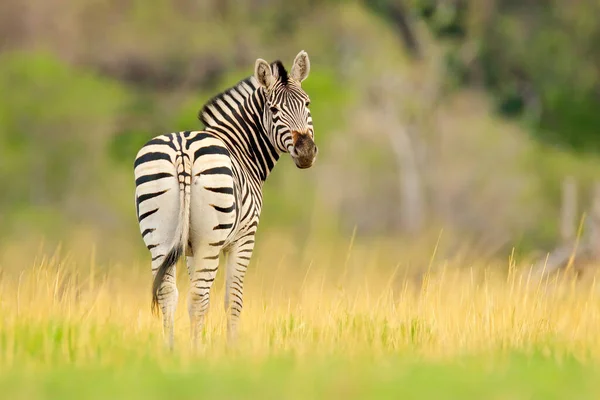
(59, 312)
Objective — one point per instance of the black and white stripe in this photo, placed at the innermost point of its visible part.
(199, 193)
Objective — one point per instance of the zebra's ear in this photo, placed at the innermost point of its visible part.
(263, 73)
(301, 67)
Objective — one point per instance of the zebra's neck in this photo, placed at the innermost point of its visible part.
(236, 117)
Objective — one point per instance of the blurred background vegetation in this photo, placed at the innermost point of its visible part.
(461, 115)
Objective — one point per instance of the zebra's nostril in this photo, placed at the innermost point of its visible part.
(305, 151)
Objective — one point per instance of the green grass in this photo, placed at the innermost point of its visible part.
(397, 376)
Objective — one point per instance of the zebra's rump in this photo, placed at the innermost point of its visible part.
(196, 164)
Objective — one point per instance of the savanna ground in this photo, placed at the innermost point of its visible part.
(314, 325)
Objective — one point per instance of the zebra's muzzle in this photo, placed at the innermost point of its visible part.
(305, 151)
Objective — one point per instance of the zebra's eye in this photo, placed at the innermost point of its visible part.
(307, 103)
(274, 109)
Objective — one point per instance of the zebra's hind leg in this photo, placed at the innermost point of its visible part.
(203, 270)
(238, 258)
(168, 296)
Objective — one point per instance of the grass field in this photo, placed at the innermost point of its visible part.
(77, 330)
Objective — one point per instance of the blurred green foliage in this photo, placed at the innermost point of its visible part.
(55, 121)
(78, 102)
(538, 58)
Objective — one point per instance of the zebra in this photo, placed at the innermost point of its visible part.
(199, 193)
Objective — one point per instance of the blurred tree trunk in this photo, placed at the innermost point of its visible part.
(594, 223)
(412, 209)
(574, 252)
(568, 210)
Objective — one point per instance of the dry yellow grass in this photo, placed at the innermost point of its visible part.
(57, 313)
(300, 310)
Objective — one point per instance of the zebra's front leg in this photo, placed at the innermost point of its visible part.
(238, 258)
(202, 269)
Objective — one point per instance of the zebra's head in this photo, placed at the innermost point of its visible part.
(286, 116)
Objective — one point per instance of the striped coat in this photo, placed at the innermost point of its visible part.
(199, 193)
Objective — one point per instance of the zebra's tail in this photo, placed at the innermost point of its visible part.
(179, 245)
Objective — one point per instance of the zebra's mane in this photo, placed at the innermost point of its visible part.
(243, 89)
(282, 73)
